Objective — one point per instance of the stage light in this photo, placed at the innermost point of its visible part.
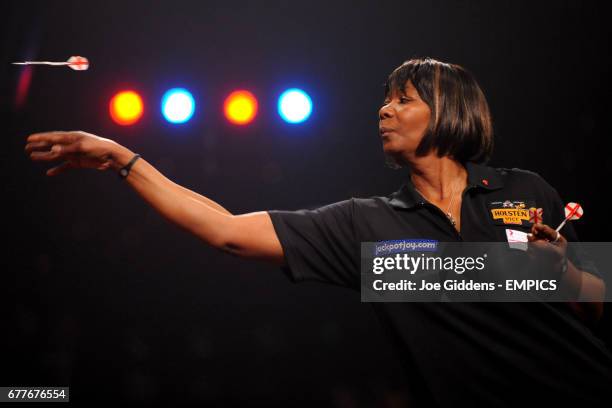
(294, 105)
(177, 105)
(126, 108)
(240, 107)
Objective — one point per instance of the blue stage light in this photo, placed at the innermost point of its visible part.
(294, 105)
(177, 105)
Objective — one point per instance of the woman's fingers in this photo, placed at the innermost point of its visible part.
(543, 231)
(44, 156)
(57, 151)
(54, 171)
(50, 145)
(539, 233)
(53, 137)
(36, 146)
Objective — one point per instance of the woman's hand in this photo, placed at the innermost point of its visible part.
(547, 247)
(77, 149)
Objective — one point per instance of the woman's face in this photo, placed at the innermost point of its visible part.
(403, 119)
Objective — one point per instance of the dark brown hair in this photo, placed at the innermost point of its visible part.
(460, 125)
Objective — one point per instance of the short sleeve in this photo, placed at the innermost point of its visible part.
(320, 244)
(575, 251)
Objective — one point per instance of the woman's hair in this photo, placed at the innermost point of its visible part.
(460, 125)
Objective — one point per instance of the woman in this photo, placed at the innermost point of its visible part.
(435, 121)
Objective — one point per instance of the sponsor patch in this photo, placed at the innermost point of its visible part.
(511, 212)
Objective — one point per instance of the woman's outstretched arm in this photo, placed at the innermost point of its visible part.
(248, 235)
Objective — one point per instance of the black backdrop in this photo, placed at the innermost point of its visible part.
(106, 296)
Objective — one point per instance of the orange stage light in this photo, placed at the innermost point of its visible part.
(126, 108)
(240, 107)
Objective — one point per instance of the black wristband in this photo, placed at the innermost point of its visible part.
(125, 170)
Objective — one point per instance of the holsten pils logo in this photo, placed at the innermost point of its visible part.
(511, 212)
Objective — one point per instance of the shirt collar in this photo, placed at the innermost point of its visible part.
(479, 176)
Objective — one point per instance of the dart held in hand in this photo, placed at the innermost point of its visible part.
(75, 62)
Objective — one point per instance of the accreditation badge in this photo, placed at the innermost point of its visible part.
(511, 212)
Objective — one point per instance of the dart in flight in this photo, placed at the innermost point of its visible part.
(75, 62)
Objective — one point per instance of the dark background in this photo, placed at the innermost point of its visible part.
(104, 295)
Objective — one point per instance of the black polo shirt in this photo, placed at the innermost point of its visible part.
(494, 354)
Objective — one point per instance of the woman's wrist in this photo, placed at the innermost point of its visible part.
(571, 280)
(121, 156)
